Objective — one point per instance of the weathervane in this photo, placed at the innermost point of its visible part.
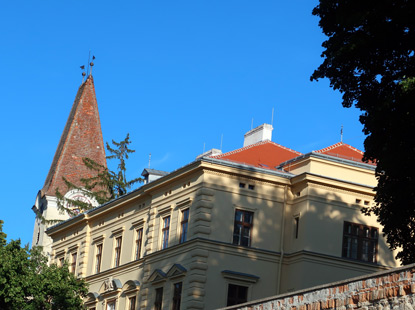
(83, 72)
(89, 67)
(91, 64)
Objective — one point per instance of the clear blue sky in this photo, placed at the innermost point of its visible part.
(176, 75)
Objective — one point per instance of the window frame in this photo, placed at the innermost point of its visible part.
(236, 297)
(158, 298)
(165, 231)
(132, 302)
(138, 242)
(244, 225)
(296, 223)
(74, 257)
(98, 257)
(177, 298)
(117, 250)
(184, 225)
(111, 301)
(356, 235)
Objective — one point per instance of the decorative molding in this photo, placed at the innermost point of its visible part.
(118, 230)
(244, 177)
(176, 271)
(98, 239)
(157, 276)
(139, 222)
(183, 203)
(165, 210)
(239, 276)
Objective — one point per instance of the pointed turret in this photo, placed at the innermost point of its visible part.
(81, 137)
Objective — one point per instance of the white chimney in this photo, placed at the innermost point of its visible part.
(258, 134)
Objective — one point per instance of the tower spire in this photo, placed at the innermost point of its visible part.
(81, 137)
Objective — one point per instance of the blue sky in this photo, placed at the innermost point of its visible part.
(176, 75)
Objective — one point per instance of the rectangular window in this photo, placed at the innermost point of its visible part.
(237, 294)
(132, 302)
(177, 296)
(296, 226)
(98, 258)
(111, 305)
(360, 242)
(73, 263)
(243, 227)
(159, 299)
(61, 261)
(184, 225)
(117, 253)
(138, 243)
(165, 232)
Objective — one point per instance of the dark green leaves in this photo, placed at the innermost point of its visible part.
(369, 58)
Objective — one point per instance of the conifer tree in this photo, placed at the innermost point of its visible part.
(104, 186)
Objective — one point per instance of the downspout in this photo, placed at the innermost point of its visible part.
(282, 239)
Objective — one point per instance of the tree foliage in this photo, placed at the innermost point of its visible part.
(369, 58)
(27, 282)
(105, 185)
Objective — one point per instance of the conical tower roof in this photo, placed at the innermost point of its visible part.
(81, 137)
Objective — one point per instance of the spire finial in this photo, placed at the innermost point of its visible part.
(83, 72)
(149, 160)
(341, 134)
(91, 64)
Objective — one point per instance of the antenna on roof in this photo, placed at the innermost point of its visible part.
(252, 123)
(272, 117)
(341, 135)
(149, 160)
(204, 144)
(221, 141)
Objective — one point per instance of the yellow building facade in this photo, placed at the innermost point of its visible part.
(225, 229)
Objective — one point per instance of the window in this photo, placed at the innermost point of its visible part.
(237, 294)
(360, 242)
(111, 305)
(117, 250)
(242, 228)
(138, 243)
(165, 232)
(132, 302)
(296, 226)
(73, 263)
(184, 225)
(61, 261)
(98, 258)
(159, 298)
(177, 296)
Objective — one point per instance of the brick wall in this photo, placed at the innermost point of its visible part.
(388, 290)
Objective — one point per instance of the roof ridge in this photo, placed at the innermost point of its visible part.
(253, 145)
(337, 145)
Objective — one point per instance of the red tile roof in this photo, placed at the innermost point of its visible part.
(265, 154)
(81, 137)
(342, 150)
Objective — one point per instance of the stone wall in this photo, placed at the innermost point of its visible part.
(388, 290)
